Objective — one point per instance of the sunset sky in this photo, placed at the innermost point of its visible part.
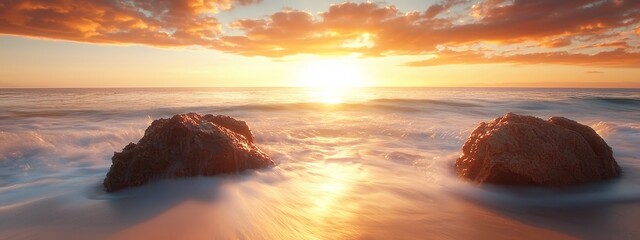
(253, 43)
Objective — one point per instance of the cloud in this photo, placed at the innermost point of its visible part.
(574, 32)
(151, 22)
(436, 9)
(371, 29)
(556, 43)
(345, 28)
(593, 72)
(615, 59)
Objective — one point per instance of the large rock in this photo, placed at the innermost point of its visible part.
(186, 145)
(525, 150)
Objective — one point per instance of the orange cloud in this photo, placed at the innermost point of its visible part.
(507, 31)
(151, 22)
(618, 58)
(293, 32)
(550, 24)
(555, 43)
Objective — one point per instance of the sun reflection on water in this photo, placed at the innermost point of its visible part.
(314, 206)
(328, 95)
(331, 191)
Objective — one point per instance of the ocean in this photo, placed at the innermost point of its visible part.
(370, 163)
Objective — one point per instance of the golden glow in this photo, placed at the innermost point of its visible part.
(364, 40)
(149, 67)
(329, 80)
(332, 74)
(330, 191)
(327, 211)
(328, 95)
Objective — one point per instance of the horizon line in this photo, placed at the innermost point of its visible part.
(304, 87)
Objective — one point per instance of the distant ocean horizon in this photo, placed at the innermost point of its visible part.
(355, 163)
(306, 87)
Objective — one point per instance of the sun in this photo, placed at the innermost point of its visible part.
(331, 80)
(332, 73)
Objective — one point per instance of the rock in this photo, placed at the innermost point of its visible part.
(239, 127)
(186, 145)
(526, 150)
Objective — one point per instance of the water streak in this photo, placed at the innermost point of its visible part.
(375, 165)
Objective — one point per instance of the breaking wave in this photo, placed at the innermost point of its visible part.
(386, 153)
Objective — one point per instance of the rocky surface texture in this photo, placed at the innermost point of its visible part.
(526, 150)
(186, 145)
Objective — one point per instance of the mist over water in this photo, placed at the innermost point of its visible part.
(357, 164)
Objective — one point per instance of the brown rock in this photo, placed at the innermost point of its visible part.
(186, 145)
(526, 150)
(237, 126)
